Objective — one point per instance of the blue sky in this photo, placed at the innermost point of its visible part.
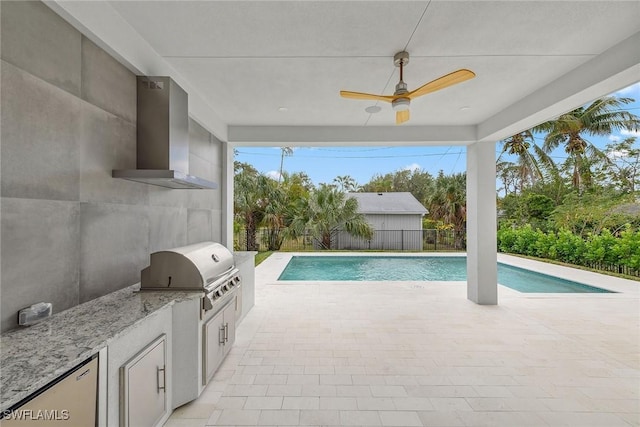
(323, 164)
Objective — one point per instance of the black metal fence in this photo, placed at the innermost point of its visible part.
(613, 268)
(383, 240)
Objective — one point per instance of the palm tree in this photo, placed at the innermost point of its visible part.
(250, 198)
(286, 151)
(346, 183)
(326, 212)
(279, 211)
(448, 203)
(527, 165)
(602, 117)
(275, 214)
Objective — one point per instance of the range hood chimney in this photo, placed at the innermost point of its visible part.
(162, 137)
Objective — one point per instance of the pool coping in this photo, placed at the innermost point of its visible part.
(270, 269)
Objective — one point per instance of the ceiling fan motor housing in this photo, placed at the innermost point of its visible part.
(401, 104)
(401, 88)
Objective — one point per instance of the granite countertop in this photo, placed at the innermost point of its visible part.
(33, 356)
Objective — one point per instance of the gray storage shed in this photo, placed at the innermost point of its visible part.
(395, 217)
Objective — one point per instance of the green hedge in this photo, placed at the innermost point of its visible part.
(602, 251)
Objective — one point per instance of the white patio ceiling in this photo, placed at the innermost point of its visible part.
(241, 61)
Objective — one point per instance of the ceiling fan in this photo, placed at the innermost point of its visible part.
(401, 98)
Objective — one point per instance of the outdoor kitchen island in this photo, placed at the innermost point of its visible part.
(120, 328)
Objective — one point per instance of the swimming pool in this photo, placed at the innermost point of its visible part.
(408, 268)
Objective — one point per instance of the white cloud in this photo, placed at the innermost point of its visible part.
(412, 167)
(626, 132)
(629, 90)
(273, 175)
(614, 138)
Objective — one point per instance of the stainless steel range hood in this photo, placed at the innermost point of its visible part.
(162, 137)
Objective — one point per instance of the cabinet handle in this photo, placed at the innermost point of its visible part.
(226, 333)
(164, 378)
(221, 335)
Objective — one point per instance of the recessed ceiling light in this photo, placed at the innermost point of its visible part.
(373, 109)
(465, 108)
(283, 109)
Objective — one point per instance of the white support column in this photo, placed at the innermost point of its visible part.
(482, 258)
(227, 194)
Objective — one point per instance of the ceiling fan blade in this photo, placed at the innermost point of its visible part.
(360, 95)
(442, 82)
(402, 116)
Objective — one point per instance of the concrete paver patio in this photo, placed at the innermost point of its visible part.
(421, 354)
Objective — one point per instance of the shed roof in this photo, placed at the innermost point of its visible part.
(388, 203)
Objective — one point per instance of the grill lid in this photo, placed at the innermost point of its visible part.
(194, 267)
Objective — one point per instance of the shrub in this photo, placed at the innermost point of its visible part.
(627, 249)
(546, 245)
(597, 250)
(526, 241)
(506, 238)
(600, 248)
(570, 248)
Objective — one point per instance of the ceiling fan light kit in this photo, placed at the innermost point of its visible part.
(400, 104)
(401, 98)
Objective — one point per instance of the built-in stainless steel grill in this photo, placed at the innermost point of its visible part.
(204, 267)
(207, 268)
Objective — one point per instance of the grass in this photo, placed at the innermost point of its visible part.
(261, 256)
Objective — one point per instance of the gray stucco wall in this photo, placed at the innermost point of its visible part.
(70, 232)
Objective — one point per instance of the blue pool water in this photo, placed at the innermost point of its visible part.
(404, 268)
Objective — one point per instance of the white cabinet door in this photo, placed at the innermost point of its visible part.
(229, 314)
(143, 387)
(213, 346)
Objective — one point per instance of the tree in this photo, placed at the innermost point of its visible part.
(298, 184)
(623, 168)
(280, 210)
(275, 201)
(286, 151)
(602, 117)
(527, 165)
(346, 183)
(417, 182)
(508, 173)
(420, 185)
(448, 203)
(379, 183)
(327, 211)
(593, 212)
(250, 198)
